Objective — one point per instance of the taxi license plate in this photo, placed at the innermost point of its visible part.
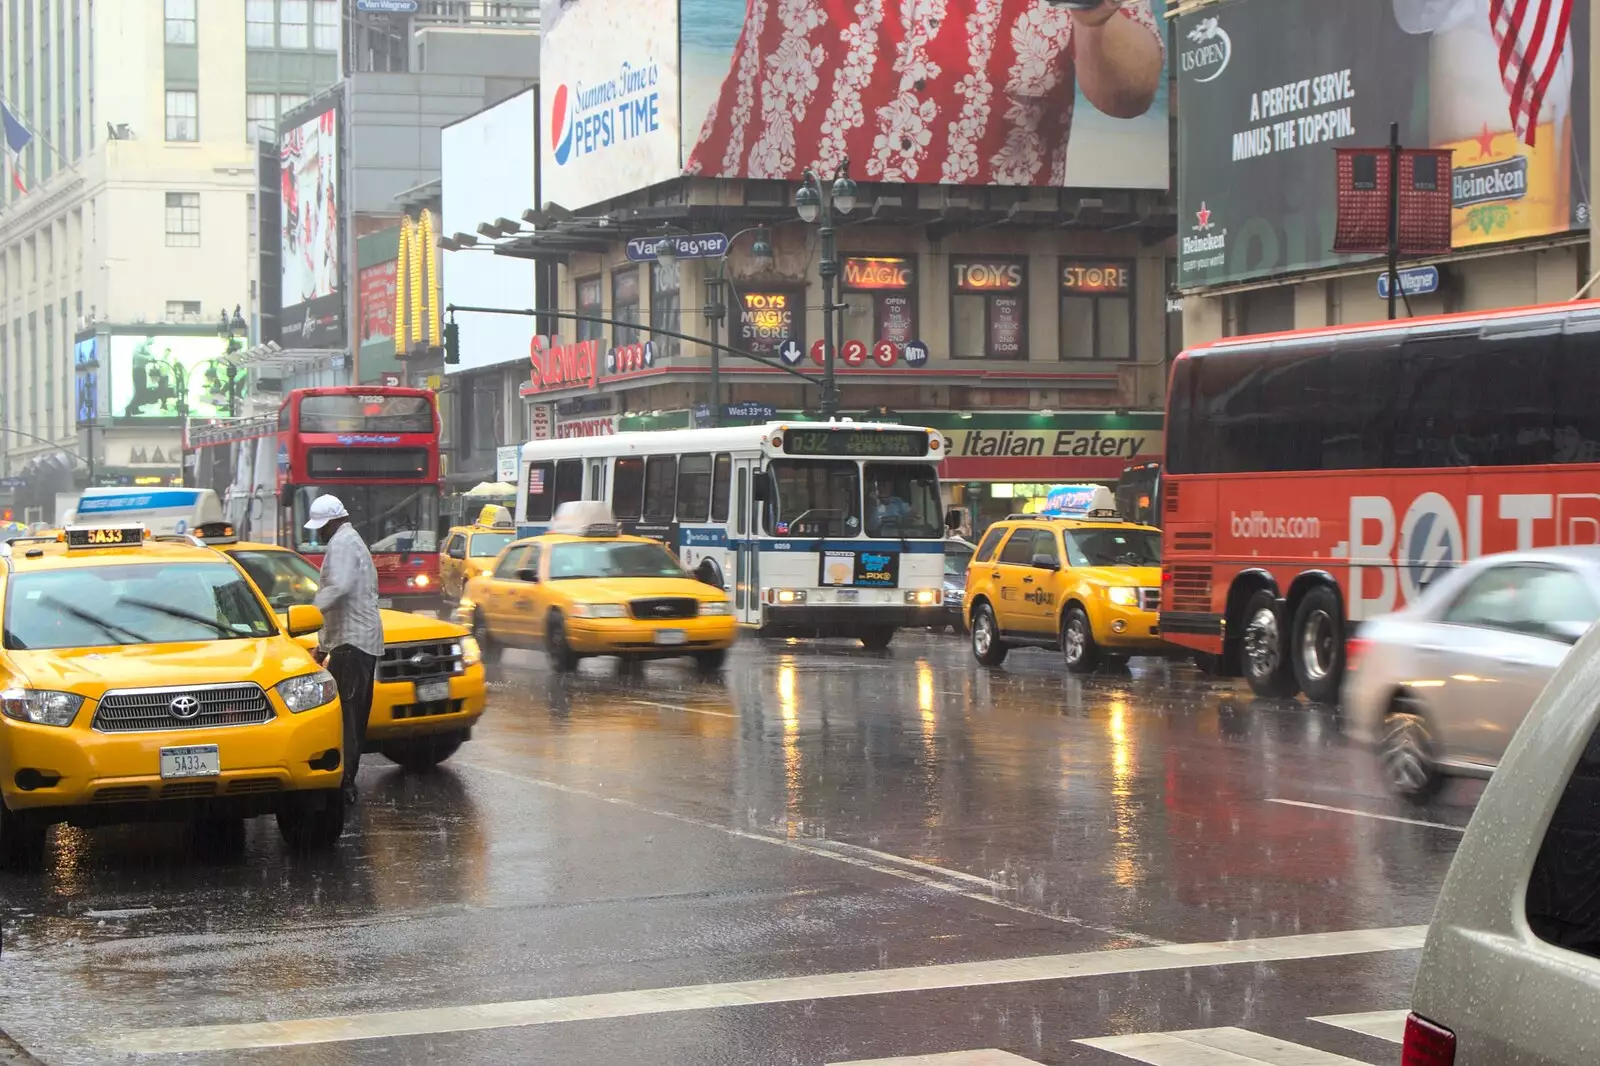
(196, 760)
(671, 636)
(432, 691)
(384, 601)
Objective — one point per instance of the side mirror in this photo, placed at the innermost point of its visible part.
(1045, 562)
(303, 618)
(952, 519)
(528, 573)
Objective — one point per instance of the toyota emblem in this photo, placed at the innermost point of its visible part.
(184, 707)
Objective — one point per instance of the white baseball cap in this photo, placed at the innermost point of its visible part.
(325, 509)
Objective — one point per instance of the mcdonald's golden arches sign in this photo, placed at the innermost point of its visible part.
(418, 298)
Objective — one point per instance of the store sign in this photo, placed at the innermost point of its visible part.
(877, 273)
(561, 366)
(587, 427)
(1090, 278)
(767, 320)
(505, 462)
(982, 276)
(1051, 442)
(539, 422)
(418, 298)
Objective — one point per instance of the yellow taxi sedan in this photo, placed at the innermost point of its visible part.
(149, 681)
(429, 691)
(585, 589)
(470, 551)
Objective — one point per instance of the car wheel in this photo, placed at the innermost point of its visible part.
(710, 662)
(563, 660)
(1266, 666)
(1078, 645)
(1318, 645)
(1407, 753)
(315, 823)
(877, 639)
(423, 753)
(987, 646)
(486, 643)
(22, 840)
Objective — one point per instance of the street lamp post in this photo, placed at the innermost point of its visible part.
(813, 203)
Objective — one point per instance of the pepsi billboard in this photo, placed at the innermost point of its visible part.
(609, 100)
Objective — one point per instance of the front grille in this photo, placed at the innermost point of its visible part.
(185, 790)
(664, 608)
(121, 794)
(137, 710)
(1191, 542)
(1191, 588)
(1150, 599)
(426, 710)
(245, 785)
(420, 661)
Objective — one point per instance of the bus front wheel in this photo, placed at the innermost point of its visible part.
(1317, 644)
(1265, 653)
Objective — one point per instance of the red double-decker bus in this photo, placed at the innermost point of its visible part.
(1317, 478)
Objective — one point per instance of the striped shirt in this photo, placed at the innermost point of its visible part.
(348, 598)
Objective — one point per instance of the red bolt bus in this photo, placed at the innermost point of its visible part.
(1320, 477)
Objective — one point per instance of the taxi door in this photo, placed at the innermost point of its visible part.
(497, 596)
(1012, 577)
(452, 565)
(1044, 593)
(528, 591)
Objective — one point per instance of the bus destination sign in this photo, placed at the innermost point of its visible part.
(858, 442)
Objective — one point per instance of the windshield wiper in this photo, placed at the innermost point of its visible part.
(178, 612)
(110, 629)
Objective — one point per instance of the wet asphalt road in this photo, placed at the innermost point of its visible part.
(907, 853)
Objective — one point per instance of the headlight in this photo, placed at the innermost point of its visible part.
(791, 595)
(715, 608)
(599, 610)
(308, 691)
(418, 581)
(922, 597)
(471, 654)
(39, 706)
(1123, 597)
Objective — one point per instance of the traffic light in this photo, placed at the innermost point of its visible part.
(452, 343)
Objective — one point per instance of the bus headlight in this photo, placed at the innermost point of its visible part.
(418, 581)
(1123, 597)
(922, 597)
(599, 610)
(791, 595)
(308, 691)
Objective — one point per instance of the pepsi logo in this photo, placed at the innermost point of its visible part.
(561, 126)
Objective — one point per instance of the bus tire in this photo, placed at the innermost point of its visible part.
(1264, 653)
(1317, 644)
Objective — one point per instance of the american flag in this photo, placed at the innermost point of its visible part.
(1532, 35)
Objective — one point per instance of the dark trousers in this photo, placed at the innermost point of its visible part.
(352, 671)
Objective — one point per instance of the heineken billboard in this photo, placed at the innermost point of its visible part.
(1268, 88)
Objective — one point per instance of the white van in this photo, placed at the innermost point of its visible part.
(161, 510)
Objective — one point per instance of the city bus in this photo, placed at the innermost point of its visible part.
(1317, 478)
(374, 447)
(1138, 494)
(830, 529)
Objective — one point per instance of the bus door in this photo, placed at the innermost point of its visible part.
(597, 485)
(742, 529)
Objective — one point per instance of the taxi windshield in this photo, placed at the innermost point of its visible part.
(612, 559)
(1113, 547)
(488, 545)
(286, 579)
(136, 603)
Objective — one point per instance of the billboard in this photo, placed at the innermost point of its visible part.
(313, 249)
(489, 166)
(149, 375)
(86, 380)
(1270, 87)
(375, 290)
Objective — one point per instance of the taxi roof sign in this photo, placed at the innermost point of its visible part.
(495, 516)
(1079, 501)
(584, 518)
(76, 537)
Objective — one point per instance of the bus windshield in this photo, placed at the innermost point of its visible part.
(390, 518)
(354, 413)
(817, 498)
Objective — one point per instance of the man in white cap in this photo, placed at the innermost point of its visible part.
(352, 633)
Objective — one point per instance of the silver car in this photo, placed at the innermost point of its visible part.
(1440, 687)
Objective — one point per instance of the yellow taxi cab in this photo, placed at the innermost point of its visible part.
(1085, 583)
(144, 679)
(470, 551)
(429, 691)
(584, 589)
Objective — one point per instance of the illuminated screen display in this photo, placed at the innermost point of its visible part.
(104, 537)
(905, 443)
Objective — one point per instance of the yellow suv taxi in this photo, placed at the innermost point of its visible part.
(585, 589)
(470, 551)
(1088, 585)
(146, 679)
(429, 691)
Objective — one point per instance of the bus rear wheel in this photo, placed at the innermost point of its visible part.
(1317, 645)
(1265, 656)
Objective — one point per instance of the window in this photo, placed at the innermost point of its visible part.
(1541, 601)
(287, 102)
(880, 297)
(1019, 549)
(625, 304)
(327, 26)
(456, 546)
(506, 569)
(183, 310)
(180, 22)
(569, 481)
(589, 303)
(989, 309)
(1044, 543)
(666, 306)
(627, 489)
(292, 15)
(1096, 310)
(626, 558)
(487, 545)
(1563, 906)
(390, 518)
(541, 491)
(261, 117)
(694, 489)
(719, 488)
(990, 541)
(531, 563)
(741, 523)
(903, 501)
(260, 27)
(183, 115)
(183, 220)
(1113, 547)
(660, 485)
(284, 578)
(816, 499)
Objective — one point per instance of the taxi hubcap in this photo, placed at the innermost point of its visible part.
(982, 633)
(1075, 640)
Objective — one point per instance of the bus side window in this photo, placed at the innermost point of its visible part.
(569, 481)
(742, 504)
(694, 489)
(541, 491)
(627, 487)
(719, 487)
(660, 487)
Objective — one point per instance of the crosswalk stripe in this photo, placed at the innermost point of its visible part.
(1387, 1025)
(986, 1057)
(1227, 1046)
